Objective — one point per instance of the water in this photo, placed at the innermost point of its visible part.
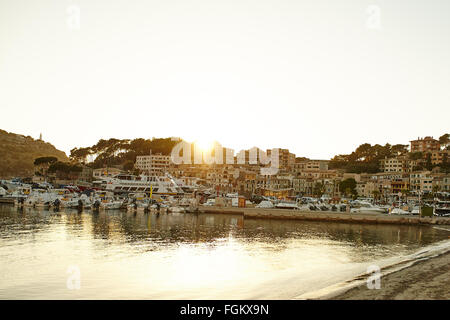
(122, 255)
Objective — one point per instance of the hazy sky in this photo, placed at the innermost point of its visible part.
(317, 77)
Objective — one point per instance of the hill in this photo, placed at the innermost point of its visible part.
(17, 154)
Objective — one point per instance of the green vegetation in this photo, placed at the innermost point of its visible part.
(121, 152)
(319, 189)
(444, 140)
(44, 161)
(366, 158)
(348, 186)
(65, 170)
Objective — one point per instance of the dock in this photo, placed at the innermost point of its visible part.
(327, 216)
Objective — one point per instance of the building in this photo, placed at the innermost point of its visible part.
(310, 165)
(400, 164)
(421, 181)
(439, 157)
(105, 172)
(427, 144)
(153, 164)
(446, 183)
(400, 185)
(286, 159)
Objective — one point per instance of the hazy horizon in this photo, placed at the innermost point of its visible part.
(319, 78)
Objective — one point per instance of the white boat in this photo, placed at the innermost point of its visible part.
(366, 207)
(398, 211)
(110, 204)
(415, 210)
(265, 204)
(286, 205)
(158, 185)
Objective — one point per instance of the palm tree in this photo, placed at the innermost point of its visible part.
(404, 192)
(376, 194)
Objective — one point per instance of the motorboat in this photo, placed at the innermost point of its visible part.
(366, 207)
(265, 204)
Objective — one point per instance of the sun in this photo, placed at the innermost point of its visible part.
(204, 145)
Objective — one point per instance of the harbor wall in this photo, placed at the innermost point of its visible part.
(289, 214)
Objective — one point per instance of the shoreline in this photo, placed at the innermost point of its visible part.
(424, 280)
(329, 216)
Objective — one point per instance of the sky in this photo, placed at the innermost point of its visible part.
(316, 77)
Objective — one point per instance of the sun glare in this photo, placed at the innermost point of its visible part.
(204, 145)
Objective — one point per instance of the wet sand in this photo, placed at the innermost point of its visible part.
(425, 280)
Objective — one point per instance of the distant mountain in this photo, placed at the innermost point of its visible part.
(17, 154)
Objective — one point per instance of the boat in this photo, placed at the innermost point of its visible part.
(265, 204)
(398, 211)
(366, 207)
(286, 205)
(157, 185)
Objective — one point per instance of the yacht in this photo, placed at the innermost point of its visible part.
(366, 207)
(158, 185)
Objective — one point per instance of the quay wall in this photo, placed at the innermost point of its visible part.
(289, 214)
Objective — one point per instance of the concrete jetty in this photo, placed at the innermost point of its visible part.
(330, 216)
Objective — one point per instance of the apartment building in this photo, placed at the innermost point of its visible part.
(286, 159)
(427, 144)
(421, 181)
(446, 183)
(153, 164)
(438, 157)
(318, 165)
(105, 172)
(396, 164)
(367, 188)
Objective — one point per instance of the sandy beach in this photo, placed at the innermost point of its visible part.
(425, 280)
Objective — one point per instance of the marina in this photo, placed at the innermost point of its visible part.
(126, 255)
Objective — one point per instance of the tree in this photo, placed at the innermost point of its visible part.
(128, 166)
(428, 163)
(80, 154)
(404, 192)
(399, 149)
(65, 169)
(376, 194)
(416, 155)
(318, 189)
(43, 164)
(444, 140)
(44, 161)
(349, 186)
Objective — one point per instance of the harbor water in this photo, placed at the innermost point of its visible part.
(120, 255)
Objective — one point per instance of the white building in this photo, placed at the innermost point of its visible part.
(154, 164)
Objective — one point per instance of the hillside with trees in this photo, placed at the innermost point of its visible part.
(18, 153)
(121, 151)
(366, 158)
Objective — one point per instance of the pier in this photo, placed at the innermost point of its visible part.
(328, 216)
